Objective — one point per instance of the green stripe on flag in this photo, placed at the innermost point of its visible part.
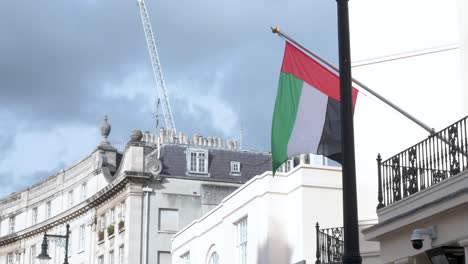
(284, 117)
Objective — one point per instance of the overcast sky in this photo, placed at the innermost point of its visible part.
(66, 64)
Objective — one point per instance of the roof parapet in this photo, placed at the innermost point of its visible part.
(170, 136)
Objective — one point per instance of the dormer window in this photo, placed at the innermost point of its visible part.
(235, 168)
(197, 161)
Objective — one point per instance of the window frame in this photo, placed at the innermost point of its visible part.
(32, 254)
(112, 216)
(48, 209)
(70, 201)
(121, 254)
(160, 217)
(11, 224)
(185, 258)
(70, 240)
(241, 243)
(123, 207)
(84, 189)
(10, 258)
(34, 216)
(160, 253)
(235, 164)
(82, 237)
(214, 258)
(287, 166)
(111, 257)
(197, 162)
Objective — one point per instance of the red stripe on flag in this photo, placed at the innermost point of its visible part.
(312, 72)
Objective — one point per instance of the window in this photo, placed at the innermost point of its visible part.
(48, 209)
(197, 161)
(82, 237)
(241, 243)
(123, 207)
(33, 255)
(235, 167)
(112, 216)
(70, 240)
(164, 257)
(286, 166)
(100, 260)
(121, 255)
(34, 216)
(11, 222)
(83, 191)
(70, 199)
(185, 258)
(10, 258)
(214, 259)
(111, 257)
(168, 220)
(103, 223)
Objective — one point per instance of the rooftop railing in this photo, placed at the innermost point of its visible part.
(427, 163)
(330, 245)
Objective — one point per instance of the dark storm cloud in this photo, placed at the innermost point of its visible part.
(71, 62)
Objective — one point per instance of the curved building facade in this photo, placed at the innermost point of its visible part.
(124, 206)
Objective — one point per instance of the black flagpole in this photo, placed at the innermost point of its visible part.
(350, 215)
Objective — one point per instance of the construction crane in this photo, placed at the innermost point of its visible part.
(157, 71)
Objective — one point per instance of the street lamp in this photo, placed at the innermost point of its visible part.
(44, 256)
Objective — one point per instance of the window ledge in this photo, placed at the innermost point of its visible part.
(167, 232)
(197, 174)
(121, 229)
(80, 251)
(112, 236)
(100, 242)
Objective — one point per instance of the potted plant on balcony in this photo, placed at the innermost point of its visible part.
(110, 230)
(121, 225)
(100, 235)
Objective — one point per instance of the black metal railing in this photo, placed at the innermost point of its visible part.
(429, 162)
(330, 245)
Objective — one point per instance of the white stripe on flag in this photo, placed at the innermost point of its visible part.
(310, 119)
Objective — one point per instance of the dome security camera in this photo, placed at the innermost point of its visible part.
(417, 237)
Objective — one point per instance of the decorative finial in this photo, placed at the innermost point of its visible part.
(275, 29)
(105, 131)
(136, 135)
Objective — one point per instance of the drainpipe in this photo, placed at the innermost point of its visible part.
(146, 191)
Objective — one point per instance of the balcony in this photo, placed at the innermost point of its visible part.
(429, 162)
(330, 245)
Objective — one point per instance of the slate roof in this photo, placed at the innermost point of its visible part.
(174, 161)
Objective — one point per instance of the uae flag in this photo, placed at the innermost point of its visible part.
(306, 118)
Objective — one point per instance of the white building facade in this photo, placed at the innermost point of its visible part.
(413, 53)
(268, 220)
(123, 207)
(423, 201)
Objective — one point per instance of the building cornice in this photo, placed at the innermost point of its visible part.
(94, 201)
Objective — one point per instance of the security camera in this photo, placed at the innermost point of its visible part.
(417, 237)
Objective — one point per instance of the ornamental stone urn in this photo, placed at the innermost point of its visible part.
(105, 131)
(136, 135)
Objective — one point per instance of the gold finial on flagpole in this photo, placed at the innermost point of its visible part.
(275, 29)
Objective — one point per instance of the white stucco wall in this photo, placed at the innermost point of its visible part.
(463, 20)
(281, 213)
(385, 36)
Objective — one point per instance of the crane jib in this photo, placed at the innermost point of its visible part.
(156, 65)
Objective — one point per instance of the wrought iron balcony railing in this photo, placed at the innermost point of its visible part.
(429, 162)
(330, 245)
